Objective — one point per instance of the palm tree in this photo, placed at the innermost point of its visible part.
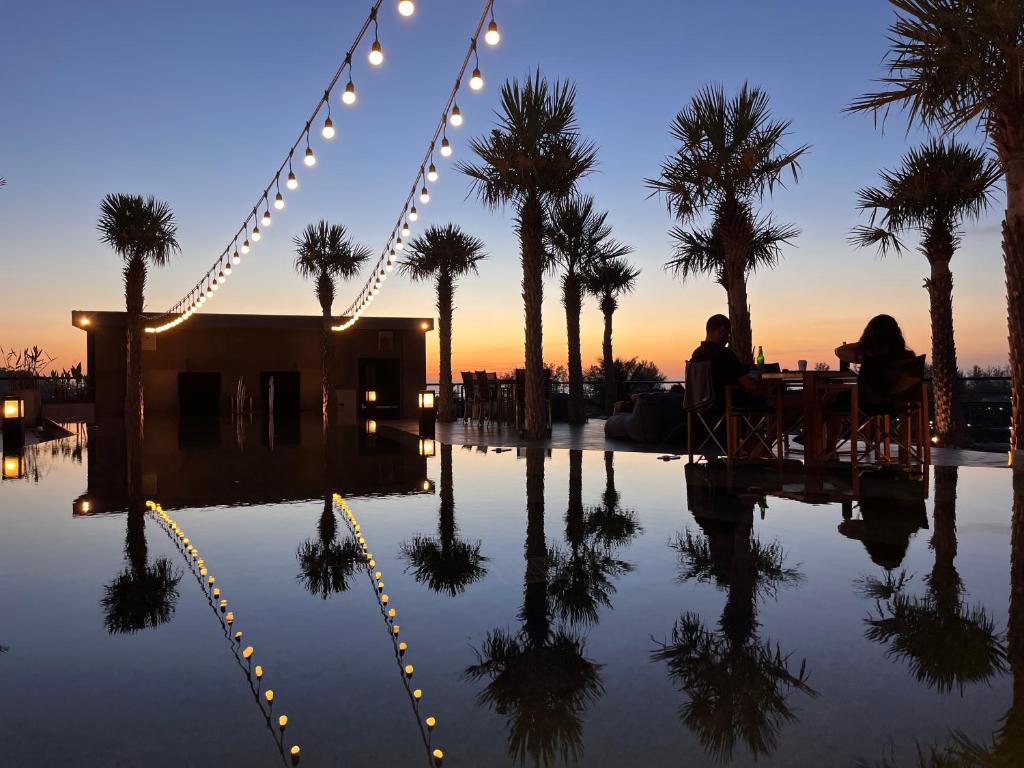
(142, 595)
(533, 157)
(446, 563)
(539, 677)
(729, 157)
(935, 188)
(577, 237)
(325, 564)
(444, 254)
(954, 64)
(607, 279)
(142, 231)
(946, 642)
(324, 252)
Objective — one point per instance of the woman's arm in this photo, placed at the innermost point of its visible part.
(849, 353)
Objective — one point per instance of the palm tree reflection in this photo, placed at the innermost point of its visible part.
(326, 564)
(539, 678)
(582, 580)
(737, 684)
(142, 595)
(445, 563)
(946, 642)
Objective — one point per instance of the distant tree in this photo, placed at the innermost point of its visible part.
(934, 190)
(607, 280)
(729, 156)
(324, 252)
(142, 231)
(631, 372)
(444, 254)
(533, 157)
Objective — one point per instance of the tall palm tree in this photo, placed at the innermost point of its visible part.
(143, 595)
(324, 252)
(142, 231)
(935, 188)
(955, 64)
(326, 564)
(444, 254)
(446, 563)
(577, 237)
(534, 156)
(607, 279)
(539, 677)
(729, 157)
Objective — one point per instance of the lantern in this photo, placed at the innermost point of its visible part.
(14, 466)
(13, 422)
(428, 414)
(427, 446)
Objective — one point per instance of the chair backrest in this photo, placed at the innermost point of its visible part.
(483, 388)
(700, 389)
(467, 385)
(884, 382)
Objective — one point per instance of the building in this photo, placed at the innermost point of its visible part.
(194, 370)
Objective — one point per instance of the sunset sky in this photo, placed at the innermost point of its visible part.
(197, 102)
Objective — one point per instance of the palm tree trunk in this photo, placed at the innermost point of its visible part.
(134, 290)
(949, 419)
(574, 522)
(445, 307)
(325, 367)
(535, 590)
(572, 298)
(1011, 734)
(531, 234)
(1010, 145)
(739, 315)
(944, 581)
(611, 496)
(446, 521)
(611, 385)
(736, 226)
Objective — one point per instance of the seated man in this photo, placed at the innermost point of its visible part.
(726, 368)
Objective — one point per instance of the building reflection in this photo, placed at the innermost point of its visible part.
(539, 677)
(737, 684)
(445, 563)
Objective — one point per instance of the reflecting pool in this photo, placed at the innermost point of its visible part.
(504, 606)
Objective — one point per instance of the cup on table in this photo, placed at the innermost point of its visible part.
(801, 364)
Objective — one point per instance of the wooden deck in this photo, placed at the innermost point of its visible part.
(590, 437)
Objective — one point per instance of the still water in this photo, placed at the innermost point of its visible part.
(558, 607)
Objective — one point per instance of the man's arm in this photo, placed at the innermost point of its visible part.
(849, 353)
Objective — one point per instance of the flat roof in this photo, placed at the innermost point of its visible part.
(89, 320)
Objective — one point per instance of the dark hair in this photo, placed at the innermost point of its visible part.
(882, 337)
(717, 322)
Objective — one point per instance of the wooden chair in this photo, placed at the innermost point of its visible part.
(469, 397)
(484, 397)
(750, 426)
(699, 402)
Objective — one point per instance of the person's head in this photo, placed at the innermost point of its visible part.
(882, 337)
(718, 329)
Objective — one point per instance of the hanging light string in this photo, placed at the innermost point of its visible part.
(390, 614)
(425, 174)
(219, 604)
(243, 240)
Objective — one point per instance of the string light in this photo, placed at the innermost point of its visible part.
(292, 182)
(245, 244)
(432, 173)
(348, 96)
(406, 8)
(309, 159)
(446, 147)
(328, 130)
(413, 214)
(376, 55)
(492, 36)
(405, 229)
(424, 195)
(456, 116)
(279, 198)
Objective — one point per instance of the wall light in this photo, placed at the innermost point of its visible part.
(427, 446)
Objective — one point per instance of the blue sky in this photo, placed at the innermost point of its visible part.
(196, 103)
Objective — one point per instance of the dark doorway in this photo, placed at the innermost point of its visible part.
(383, 376)
(286, 392)
(199, 395)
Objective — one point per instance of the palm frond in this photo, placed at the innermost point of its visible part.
(138, 227)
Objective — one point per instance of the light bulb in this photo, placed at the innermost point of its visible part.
(227, 267)
(446, 147)
(406, 7)
(476, 82)
(256, 234)
(413, 215)
(398, 244)
(279, 201)
(221, 279)
(376, 56)
(214, 286)
(266, 218)
(292, 183)
(328, 130)
(405, 229)
(245, 246)
(310, 158)
(390, 266)
(424, 195)
(492, 35)
(432, 173)
(455, 118)
(348, 96)
(235, 257)
(392, 256)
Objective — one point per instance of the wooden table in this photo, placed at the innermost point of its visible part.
(812, 383)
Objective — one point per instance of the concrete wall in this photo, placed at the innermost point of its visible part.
(246, 350)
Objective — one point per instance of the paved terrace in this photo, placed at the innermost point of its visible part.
(590, 437)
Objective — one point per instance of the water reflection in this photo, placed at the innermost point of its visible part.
(142, 595)
(445, 563)
(737, 684)
(538, 677)
(946, 642)
(326, 564)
